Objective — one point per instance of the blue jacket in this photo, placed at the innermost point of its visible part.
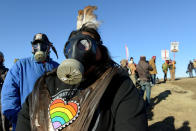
(19, 84)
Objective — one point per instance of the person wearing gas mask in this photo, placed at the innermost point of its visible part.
(87, 92)
(21, 77)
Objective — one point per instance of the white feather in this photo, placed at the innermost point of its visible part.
(80, 18)
(88, 18)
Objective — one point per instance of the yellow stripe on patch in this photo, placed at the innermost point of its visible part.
(64, 110)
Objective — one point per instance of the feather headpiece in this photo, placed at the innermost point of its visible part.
(87, 18)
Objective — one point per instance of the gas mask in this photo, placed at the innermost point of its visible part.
(40, 51)
(80, 52)
(41, 47)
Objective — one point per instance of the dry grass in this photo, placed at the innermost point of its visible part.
(174, 106)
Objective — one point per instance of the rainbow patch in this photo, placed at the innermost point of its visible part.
(63, 114)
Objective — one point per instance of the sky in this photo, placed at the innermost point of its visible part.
(145, 26)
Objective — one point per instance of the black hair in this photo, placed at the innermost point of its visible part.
(92, 31)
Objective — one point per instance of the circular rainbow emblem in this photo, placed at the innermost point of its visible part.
(63, 114)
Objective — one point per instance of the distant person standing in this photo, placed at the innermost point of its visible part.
(190, 69)
(165, 67)
(172, 69)
(194, 65)
(153, 73)
(132, 70)
(143, 69)
(124, 64)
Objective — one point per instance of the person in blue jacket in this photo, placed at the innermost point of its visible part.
(21, 77)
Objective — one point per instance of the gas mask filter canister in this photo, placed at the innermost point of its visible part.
(70, 71)
(40, 56)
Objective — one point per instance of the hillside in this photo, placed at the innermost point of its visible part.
(174, 106)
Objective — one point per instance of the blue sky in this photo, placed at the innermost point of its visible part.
(145, 26)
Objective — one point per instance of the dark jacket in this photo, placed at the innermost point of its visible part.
(190, 67)
(143, 69)
(3, 72)
(120, 109)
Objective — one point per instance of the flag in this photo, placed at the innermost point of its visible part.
(127, 52)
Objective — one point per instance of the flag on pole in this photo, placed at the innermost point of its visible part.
(127, 52)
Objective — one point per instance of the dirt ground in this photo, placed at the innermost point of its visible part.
(173, 106)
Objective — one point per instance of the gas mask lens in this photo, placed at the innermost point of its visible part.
(84, 45)
(40, 46)
(35, 46)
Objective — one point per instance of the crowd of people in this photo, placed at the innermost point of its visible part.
(168, 65)
(143, 74)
